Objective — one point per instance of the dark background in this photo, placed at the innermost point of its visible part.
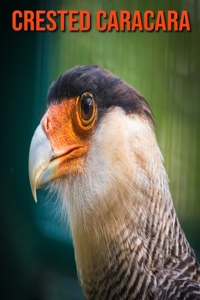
(32, 266)
(37, 260)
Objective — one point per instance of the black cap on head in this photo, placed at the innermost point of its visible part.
(107, 90)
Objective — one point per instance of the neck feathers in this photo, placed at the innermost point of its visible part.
(121, 214)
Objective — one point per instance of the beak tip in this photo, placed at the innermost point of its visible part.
(35, 198)
(34, 194)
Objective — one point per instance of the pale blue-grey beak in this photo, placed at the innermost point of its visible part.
(40, 155)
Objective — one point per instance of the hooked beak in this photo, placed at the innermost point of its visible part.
(40, 155)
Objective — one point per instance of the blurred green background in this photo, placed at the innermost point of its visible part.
(37, 260)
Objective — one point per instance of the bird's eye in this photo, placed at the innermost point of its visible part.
(86, 109)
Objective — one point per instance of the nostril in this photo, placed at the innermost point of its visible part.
(46, 125)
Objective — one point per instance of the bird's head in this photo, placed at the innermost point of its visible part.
(95, 140)
(97, 148)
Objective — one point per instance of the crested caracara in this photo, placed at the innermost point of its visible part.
(96, 147)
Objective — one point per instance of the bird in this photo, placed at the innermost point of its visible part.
(96, 149)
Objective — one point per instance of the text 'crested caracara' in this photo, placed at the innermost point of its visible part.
(97, 148)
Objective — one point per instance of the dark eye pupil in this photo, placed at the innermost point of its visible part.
(86, 108)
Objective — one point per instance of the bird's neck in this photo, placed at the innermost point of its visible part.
(122, 218)
(119, 240)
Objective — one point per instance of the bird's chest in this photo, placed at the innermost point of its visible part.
(121, 278)
(114, 271)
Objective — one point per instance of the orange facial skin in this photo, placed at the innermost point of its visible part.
(68, 135)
